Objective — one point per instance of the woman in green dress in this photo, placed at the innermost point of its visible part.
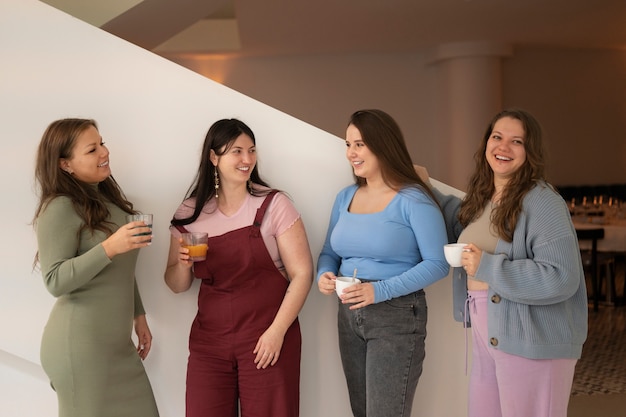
(87, 254)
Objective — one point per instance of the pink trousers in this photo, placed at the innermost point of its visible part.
(505, 385)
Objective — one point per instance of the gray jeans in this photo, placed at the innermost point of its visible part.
(382, 350)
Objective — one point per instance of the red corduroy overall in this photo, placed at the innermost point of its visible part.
(240, 293)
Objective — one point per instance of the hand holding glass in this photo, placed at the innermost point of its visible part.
(146, 218)
(197, 243)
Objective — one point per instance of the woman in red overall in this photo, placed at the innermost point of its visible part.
(245, 340)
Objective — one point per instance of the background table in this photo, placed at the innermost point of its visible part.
(614, 236)
(614, 242)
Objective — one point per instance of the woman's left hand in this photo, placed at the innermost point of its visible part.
(326, 283)
(470, 259)
(360, 295)
(267, 349)
(144, 336)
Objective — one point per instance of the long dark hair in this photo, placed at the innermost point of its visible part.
(383, 137)
(481, 187)
(58, 142)
(219, 139)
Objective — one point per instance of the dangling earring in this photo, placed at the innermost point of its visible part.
(216, 179)
(249, 186)
(69, 171)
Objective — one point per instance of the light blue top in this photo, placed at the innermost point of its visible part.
(537, 296)
(400, 247)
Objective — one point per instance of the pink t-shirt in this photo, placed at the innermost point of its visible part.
(280, 216)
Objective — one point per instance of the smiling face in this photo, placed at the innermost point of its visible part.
(363, 161)
(237, 162)
(505, 151)
(89, 160)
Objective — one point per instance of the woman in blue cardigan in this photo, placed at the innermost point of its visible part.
(521, 284)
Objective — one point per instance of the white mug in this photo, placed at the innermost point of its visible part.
(453, 253)
(345, 282)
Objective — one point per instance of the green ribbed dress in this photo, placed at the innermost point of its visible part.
(86, 349)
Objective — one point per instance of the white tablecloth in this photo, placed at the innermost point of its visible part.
(614, 236)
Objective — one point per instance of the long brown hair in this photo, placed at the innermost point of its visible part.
(384, 138)
(58, 142)
(481, 185)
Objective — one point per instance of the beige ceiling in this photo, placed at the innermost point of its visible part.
(279, 27)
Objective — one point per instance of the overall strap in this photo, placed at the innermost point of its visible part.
(260, 213)
(181, 229)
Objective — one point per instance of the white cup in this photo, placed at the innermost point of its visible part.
(345, 282)
(453, 253)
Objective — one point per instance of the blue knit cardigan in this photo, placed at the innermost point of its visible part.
(537, 304)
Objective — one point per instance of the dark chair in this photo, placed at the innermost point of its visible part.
(590, 259)
(620, 262)
(607, 264)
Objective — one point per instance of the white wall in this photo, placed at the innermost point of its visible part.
(324, 90)
(153, 115)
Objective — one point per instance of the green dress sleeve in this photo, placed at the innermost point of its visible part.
(68, 259)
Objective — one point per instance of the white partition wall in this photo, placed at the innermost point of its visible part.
(153, 115)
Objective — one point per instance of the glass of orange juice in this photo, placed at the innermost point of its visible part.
(197, 243)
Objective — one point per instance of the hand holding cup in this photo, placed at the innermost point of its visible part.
(342, 283)
(197, 244)
(126, 237)
(453, 253)
(146, 219)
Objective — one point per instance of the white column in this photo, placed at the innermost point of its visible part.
(470, 94)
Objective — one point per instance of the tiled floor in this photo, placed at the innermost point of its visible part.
(602, 367)
(600, 380)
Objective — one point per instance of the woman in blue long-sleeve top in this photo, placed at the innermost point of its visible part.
(389, 231)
